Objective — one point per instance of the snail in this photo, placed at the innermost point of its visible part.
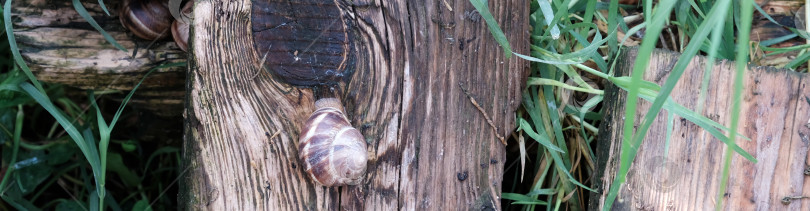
(332, 151)
(180, 27)
(147, 19)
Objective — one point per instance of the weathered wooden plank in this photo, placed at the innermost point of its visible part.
(429, 147)
(686, 174)
(61, 47)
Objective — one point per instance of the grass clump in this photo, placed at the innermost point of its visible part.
(574, 47)
(66, 168)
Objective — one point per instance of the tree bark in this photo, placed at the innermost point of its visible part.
(685, 174)
(429, 146)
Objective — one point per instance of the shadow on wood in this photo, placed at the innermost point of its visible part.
(686, 174)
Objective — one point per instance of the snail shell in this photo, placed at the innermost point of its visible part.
(332, 151)
(180, 27)
(147, 19)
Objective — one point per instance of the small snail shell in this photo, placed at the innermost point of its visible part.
(332, 151)
(180, 27)
(147, 19)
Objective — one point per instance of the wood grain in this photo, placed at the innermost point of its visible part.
(429, 147)
(774, 115)
(61, 47)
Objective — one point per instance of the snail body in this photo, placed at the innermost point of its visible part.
(332, 151)
(147, 19)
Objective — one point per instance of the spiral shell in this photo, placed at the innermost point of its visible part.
(332, 151)
(180, 27)
(147, 19)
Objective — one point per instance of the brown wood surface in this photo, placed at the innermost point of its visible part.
(429, 147)
(61, 47)
(774, 114)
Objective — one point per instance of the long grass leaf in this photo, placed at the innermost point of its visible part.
(15, 51)
(629, 147)
(709, 67)
(613, 12)
(522, 199)
(103, 7)
(18, 124)
(798, 61)
(593, 102)
(83, 12)
(716, 16)
(543, 81)
(705, 123)
(63, 121)
(543, 140)
(769, 42)
(132, 92)
(746, 12)
(548, 15)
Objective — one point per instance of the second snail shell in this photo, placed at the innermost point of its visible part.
(332, 151)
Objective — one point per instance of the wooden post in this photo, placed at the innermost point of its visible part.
(429, 146)
(775, 115)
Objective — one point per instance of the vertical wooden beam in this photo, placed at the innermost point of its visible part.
(429, 147)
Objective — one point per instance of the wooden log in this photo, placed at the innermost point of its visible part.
(774, 115)
(61, 47)
(429, 146)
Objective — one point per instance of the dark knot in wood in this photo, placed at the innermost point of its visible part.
(304, 43)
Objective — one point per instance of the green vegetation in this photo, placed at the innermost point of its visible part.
(569, 46)
(57, 148)
(43, 170)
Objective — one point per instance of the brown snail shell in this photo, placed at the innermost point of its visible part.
(147, 19)
(332, 151)
(180, 27)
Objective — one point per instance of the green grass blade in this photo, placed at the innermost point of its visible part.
(785, 49)
(543, 140)
(129, 96)
(548, 14)
(705, 123)
(546, 191)
(593, 102)
(483, 10)
(15, 51)
(709, 67)
(562, 163)
(769, 42)
(63, 121)
(746, 13)
(18, 124)
(798, 61)
(522, 199)
(613, 12)
(629, 147)
(590, 9)
(716, 16)
(696, 8)
(83, 12)
(103, 7)
(670, 127)
(98, 171)
(543, 81)
(103, 145)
